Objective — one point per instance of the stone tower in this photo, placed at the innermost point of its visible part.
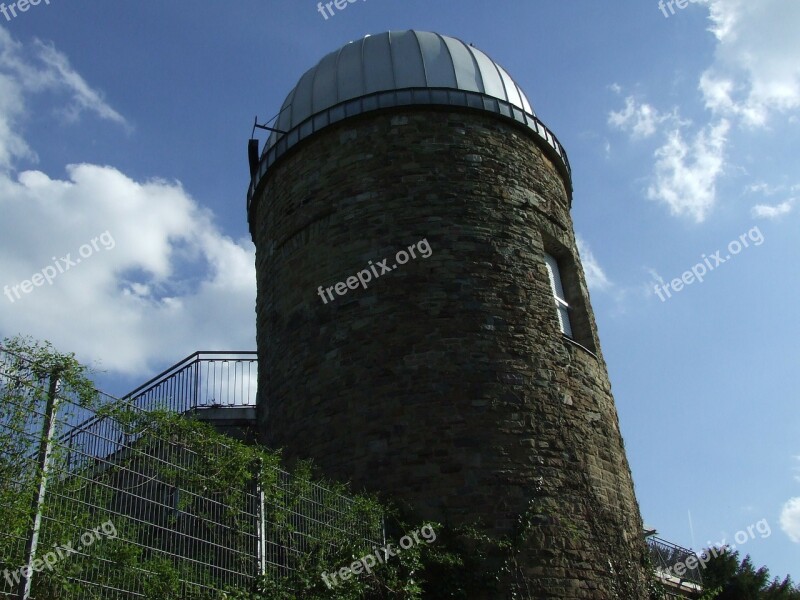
(468, 383)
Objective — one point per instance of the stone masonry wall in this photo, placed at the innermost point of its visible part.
(445, 384)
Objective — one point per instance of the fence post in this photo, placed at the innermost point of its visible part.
(43, 464)
(262, 520)
(194, 402)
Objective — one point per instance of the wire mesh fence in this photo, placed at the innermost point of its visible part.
(96, 502)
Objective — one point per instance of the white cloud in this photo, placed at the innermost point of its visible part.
(763, 188)
(12, 145)
(790, 519)
(797, 469)
(755, 72)
(766, 211)
(595, 276)
(169, 283)
(59, 73)
(40, 67)
(767, 189)
(655, 275)
(753, 78)
(686, 172)
(639, 119)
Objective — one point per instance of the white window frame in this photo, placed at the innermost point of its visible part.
(557, 288)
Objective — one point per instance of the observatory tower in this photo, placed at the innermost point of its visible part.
(469, 383)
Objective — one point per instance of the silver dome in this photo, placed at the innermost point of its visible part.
(396, 60)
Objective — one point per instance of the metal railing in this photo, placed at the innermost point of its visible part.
(404, 98)
(202, 379)
(666, 555)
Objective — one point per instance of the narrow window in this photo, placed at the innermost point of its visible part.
(562, 308)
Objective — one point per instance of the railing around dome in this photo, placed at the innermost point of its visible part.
(409, 97)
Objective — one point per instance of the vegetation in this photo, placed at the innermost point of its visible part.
(203, 483)
(726, 578)
(161, 455)
(740, 580)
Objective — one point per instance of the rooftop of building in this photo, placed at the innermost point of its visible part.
(394, 69)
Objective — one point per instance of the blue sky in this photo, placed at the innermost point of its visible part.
(123, 131)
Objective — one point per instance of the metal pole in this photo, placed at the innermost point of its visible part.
(262, 522)
(43, 462)
(195, 400)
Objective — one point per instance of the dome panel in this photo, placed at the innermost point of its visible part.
(302, 103)
(438, 62)
(351, 72)
(492, 82)
(285, 117)
(510, 86)
(377, 60)
(467, 73)
(407, 63)
(325, 91)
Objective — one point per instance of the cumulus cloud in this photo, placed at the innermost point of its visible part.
(686, 171)
(754, 77)
(596, 278)
(639, 119)
(143, 274)
(790, 519)
(766, 211)
(171, 283)
(755, 72)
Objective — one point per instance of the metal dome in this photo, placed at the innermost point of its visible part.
(399, 68)
(396, 60)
